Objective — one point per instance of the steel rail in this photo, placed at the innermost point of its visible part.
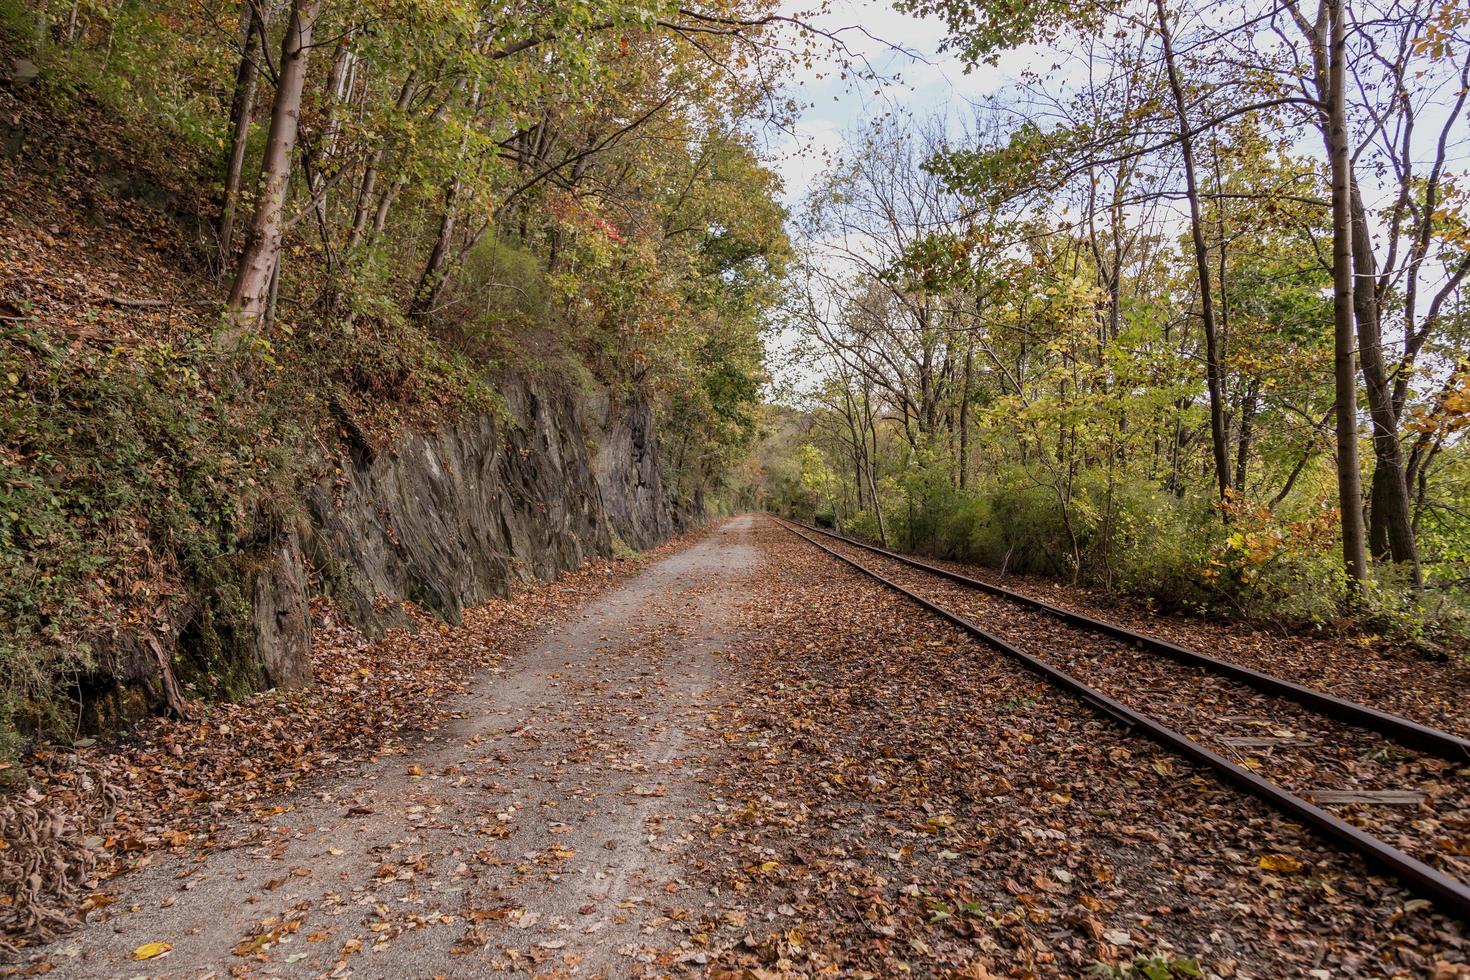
(1410, 733)
(1453, 896)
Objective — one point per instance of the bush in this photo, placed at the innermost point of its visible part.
(863, 524)
(1135, 538)
(1157, 545)
(1280, 569)
(1028, 532)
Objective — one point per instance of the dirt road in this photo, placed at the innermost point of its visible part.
(536, 834)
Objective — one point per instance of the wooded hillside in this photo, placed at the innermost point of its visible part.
(241, 240)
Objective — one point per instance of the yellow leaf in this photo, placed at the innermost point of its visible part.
(1284, 863)
(148, 951)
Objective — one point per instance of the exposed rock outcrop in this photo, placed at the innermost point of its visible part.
(281, 619)
(452, 517)
(628, 469)
(444, 519)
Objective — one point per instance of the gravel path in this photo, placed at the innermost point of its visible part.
(536, 835)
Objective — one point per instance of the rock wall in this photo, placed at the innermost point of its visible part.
(445, 519)
(628, 470)
(450, 518)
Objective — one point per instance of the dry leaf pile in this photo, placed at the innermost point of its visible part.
(899, 799)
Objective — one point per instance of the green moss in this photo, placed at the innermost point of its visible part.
(622, 551)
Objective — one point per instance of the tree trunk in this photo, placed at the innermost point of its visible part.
(426, 295)
(1391, 529)
(431, 283)
(370, 172)
(41, 26)
(965, 415)
(242, 111)
(849, 414)
(315, 166)
(273, 294)
(385, 203)
(249, 296)
(873, 468)
(1247, 432)
(1214, 374)
(1345, 375)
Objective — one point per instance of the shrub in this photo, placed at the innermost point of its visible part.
(863, 524)
(1136, 538)
(1157, 545)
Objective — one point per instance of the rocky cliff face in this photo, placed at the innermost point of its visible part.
(628, 471)
(452, 517)
(444, 519)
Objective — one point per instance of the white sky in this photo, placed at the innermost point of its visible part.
(925, 86)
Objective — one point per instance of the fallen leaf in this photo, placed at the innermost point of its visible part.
(149, 951)
(1283, 863)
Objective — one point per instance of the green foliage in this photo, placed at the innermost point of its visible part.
(136, 484)
(980, 29)
(1016, 363)
(140, 60)
(863, 524)
(122, 472)
(1138, 540)
(1149, 966)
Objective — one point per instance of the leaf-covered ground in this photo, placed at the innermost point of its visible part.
(75, 818)
(1306, 752)
(1370, 669)
(746, 761)
(917, 803)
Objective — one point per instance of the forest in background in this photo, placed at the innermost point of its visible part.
(1182, 314)
(371, 212)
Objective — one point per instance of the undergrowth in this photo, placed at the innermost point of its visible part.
(622, 551)
(126, 474)
(1282, 569)
(1154, 966)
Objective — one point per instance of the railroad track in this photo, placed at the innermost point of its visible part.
(1313, 738)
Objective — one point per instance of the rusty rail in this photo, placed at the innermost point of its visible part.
(1452, 896)
(1402, 730)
